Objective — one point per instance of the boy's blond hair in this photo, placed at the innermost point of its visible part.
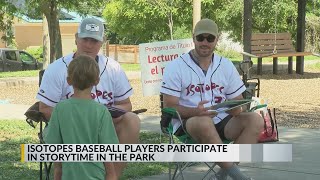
(83, 72)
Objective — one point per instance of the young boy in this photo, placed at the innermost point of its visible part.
(81, 120)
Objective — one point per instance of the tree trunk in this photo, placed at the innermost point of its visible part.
(247, 27)
(301, 27)
(45, 42)
(196, 12)
(170, 23)
(54, 30)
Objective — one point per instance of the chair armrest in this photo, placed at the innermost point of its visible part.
(34, 114)
(138, 111)
(248, 54)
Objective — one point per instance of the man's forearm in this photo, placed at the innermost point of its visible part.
(187, 112)
(46, 110)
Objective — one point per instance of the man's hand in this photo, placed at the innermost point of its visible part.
(203, 111)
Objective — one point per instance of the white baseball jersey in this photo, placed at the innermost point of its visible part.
(184, 78)
(113, 86)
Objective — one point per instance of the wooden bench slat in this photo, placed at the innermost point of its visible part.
(292, 54)
(272, 42)
(283, 54)
(271, 47)
(261, 36)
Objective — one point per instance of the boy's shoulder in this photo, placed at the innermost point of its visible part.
(72, 101)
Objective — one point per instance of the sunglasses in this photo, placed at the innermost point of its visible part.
(209, 38)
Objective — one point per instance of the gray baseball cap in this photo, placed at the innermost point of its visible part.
(206, 26)
(91, 28)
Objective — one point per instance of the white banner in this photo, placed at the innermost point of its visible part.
(153, 59)
(156, 153)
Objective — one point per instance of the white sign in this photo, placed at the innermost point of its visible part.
(153, 59)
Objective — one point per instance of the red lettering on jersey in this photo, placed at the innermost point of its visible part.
(220, 89)
(190, 89)
(98, 93)
(213, 85)
(107, 95)
(217, 99)
(207, 87)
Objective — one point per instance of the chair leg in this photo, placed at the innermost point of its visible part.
(211, 169)
(47, 168)
(40, 171)
(178, 170)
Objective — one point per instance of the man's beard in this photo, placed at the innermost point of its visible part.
(208, 51)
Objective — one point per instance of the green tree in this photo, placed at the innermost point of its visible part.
(7, 10)
(139, 21)
(268, 16)
(50, 9)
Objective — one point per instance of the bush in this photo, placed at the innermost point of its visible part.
(36, 52)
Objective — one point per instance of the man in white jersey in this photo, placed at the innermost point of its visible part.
(199, 79)
(113, 89)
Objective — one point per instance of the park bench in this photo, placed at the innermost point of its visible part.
(273, 45)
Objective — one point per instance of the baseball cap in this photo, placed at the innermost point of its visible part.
(206, 26)
(91, 28)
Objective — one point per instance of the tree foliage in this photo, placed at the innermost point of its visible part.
(50, 8)
(145, 21)
(7, 10)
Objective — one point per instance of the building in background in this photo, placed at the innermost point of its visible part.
(28, 32)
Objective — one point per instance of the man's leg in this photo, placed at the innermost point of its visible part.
(57, 172)
(128, 133)
(203, 131)
(244, 128)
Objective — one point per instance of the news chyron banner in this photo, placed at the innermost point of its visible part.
(153, 58)
(156, 153)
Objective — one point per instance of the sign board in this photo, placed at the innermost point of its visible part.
(153, 59)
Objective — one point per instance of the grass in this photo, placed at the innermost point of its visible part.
(16, 132)
(130, 67)
(315, 66)
(31, 73)
(35, 73)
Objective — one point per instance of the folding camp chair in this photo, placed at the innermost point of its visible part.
(252, 84)
(167, 114)
(34, 117)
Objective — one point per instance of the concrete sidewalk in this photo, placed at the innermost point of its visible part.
(305, 164)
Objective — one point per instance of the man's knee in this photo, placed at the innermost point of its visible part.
(129, 122)
(255, 122)
(201, 128)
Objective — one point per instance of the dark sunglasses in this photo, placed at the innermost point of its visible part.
(209, 38)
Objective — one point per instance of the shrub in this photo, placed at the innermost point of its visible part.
(36, 52)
